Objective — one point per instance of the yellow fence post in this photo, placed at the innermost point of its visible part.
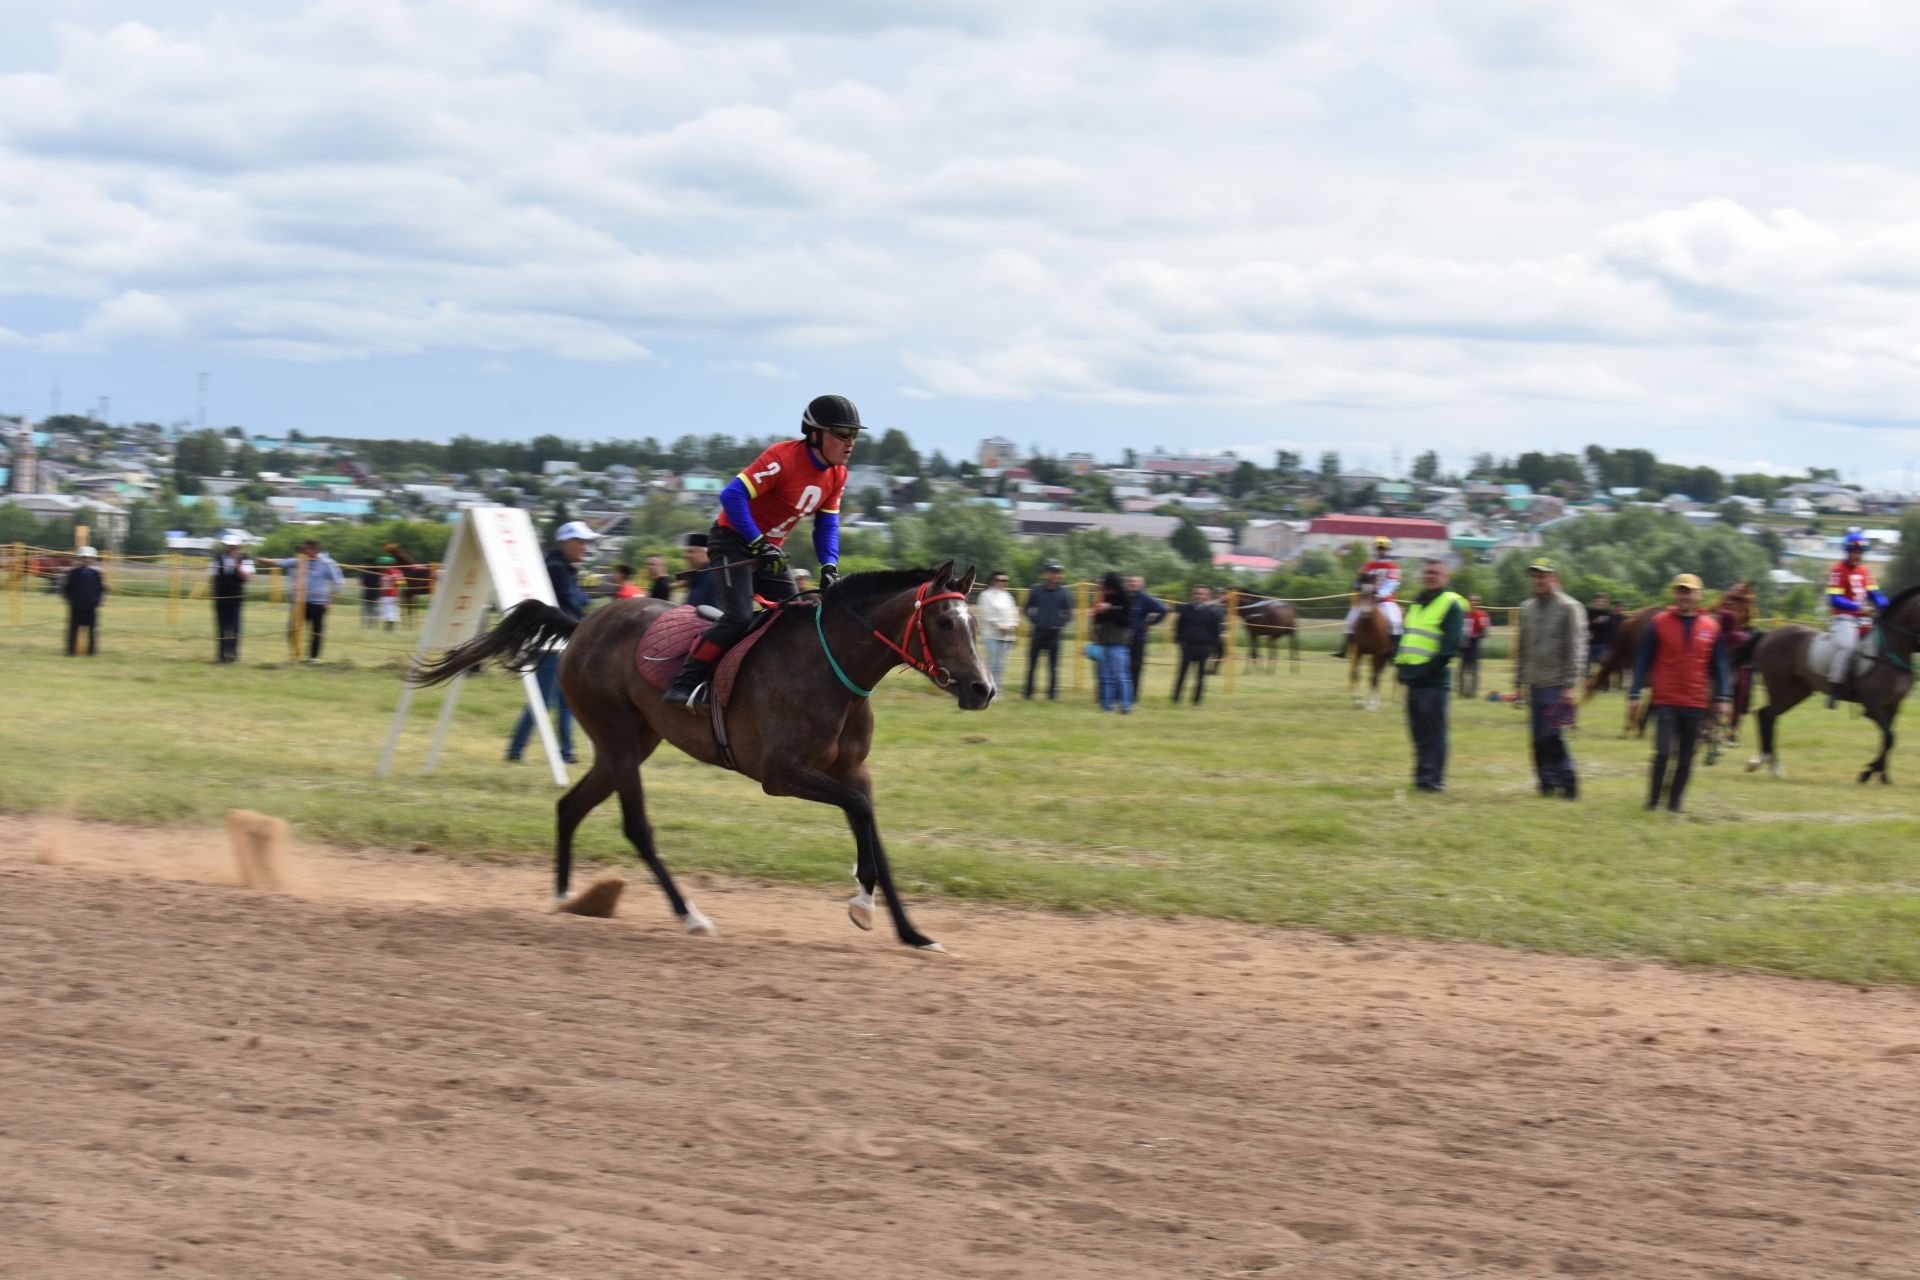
(1084, 601)
(173, 591)
(19, 582)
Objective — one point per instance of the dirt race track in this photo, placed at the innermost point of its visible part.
(405, 1069)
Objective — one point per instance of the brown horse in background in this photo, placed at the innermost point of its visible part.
(799, 722)
(1372, 638)
(1736, 603)
(1781, 657)
(1266, 617)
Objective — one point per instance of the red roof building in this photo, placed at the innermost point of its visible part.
(1410, 537)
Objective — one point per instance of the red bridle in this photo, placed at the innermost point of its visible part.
(915, 627)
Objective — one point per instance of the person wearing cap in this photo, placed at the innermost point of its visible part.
(1384, 572)
(999, 624)
(1850, 589)
(571, 543)
(1549, 661)
(759, 508)
(1435, 625)
(1048, 611)
(227, 577)
(1684, 654)
(84, 588)
(318, 577)
(700, 584)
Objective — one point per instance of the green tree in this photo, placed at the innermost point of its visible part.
(1191, 544)
(1426, 467)
(1330, 466)
(1244, 480)
(1904, 572)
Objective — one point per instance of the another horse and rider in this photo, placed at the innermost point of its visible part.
(1372, 625)
(1866, 656)
(1268, 619)
(796, 718)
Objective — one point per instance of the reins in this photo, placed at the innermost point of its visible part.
(914, 628)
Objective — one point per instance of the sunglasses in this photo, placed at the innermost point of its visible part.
(849, 434)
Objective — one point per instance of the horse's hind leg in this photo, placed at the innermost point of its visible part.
(633, 816)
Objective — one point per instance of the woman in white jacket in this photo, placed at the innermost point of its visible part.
(999, 624)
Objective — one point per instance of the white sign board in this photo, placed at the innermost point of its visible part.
(493, 557)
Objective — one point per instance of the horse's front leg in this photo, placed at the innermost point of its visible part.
(854, 797)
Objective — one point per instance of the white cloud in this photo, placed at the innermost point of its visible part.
(1505, 215)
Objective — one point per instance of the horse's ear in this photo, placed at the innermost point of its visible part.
(941, 575)
(965, 585)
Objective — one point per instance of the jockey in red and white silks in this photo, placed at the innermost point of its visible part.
(1385, 575)
(1850, 589)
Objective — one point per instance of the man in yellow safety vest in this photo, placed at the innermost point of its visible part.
(1430, 636)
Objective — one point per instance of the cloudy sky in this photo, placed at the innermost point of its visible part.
(1692, 225)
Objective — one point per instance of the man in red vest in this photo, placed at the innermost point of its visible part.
(1685, 654)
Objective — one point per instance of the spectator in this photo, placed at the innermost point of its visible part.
(315, 579)
(391, 580)
(84, 588)
(1548, 661)
(227, 578)
(1049, 609)
(999, 625)
(1430, 635)
(1602, 624)
(572, 539)
(1197, 631)
(1479, 622)
(701, 588)
(1686, 655)
(1113, 632)
(369, 576)
(662, 588)
(627, 588)
(1144, 612)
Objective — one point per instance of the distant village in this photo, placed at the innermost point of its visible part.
(1246, 516)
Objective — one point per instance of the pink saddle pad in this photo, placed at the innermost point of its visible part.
(672, 635)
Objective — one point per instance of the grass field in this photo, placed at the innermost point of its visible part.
(1277, 803)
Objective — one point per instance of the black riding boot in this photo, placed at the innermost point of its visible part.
(1341, 652)
(689, 685)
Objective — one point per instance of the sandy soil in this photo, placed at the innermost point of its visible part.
(407, 1070)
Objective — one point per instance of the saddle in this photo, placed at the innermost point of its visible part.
(1820, 657)
(672, 635)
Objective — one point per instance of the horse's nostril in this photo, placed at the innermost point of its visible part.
(981, 688)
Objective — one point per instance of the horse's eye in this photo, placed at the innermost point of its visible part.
(946, 624)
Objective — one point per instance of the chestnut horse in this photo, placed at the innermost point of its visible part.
(1781, 658)
(1736, 603)
(1372, 638)
(1268, 618)
(799, 721)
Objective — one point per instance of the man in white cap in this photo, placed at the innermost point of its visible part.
(572, 541)
(84, 589)
(227, 578)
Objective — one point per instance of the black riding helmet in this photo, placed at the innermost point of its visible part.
(825, 412)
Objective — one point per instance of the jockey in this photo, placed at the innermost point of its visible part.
(790, 481)
(1850, 589)
(1384, 573)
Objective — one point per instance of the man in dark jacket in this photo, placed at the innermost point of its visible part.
(1430, 635)
(1197, 631)
(1144, 612)
(701, 586)
(1049, 609)
(84, 589)
(227, 579)
(573, 539)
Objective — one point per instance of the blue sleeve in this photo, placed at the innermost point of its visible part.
(1722, 673)
(1643, 660)
(1843, 603)
(1878, 597)
(1156, 609)
(739, 508)
(826, 537)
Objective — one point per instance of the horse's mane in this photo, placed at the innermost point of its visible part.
(863, 590)
(1901, 600)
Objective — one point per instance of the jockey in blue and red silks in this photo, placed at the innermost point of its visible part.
(758, 509)
(1850, 590)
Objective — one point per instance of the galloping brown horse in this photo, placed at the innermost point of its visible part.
(1736, 603)
(1373, 638)
(799, 720)
(1782, 658)
(1268, 618)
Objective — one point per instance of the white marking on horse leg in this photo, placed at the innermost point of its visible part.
(860, 909)
(698, 925)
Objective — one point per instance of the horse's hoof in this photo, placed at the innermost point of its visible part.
(1866, 776)
(699, 926)
(860, 910)
(931, 948)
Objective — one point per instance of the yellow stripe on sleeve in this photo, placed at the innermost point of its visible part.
(748, 481)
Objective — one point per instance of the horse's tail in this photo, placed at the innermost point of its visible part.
(518, 643)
